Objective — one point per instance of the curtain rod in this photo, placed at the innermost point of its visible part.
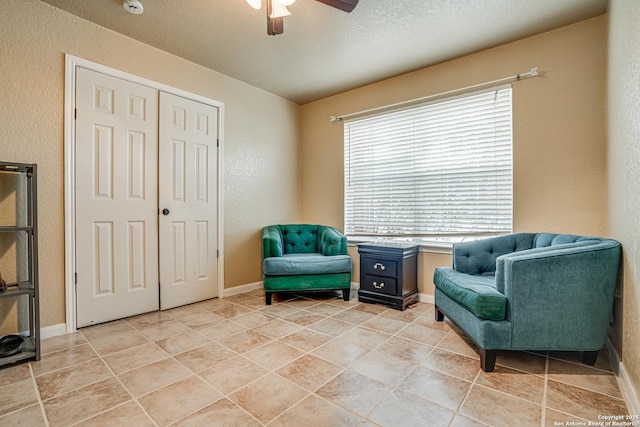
(531, 73)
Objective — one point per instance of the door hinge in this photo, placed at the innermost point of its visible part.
(217, 253)
(218, 142)
(76, 277)
(75, 113)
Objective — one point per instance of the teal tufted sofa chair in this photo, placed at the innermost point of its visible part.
(528, 291)
(304, 258)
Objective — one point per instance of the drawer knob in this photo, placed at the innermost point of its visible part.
(378, 286)
(379, 265)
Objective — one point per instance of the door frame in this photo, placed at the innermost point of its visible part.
(71, 62)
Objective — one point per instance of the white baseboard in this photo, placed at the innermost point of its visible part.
(53, 331)
(626, 387)
(426, 298)
(242, 289)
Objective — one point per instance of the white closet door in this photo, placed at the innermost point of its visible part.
(116, 198)
(188, 201)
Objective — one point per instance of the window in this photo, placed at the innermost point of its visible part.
(441, 168)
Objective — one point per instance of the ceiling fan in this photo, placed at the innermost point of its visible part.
(277, 10)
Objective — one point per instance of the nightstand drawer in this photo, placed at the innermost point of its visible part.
(379, 267)
(382, 285)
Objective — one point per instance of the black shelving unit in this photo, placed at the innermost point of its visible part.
(29, 287)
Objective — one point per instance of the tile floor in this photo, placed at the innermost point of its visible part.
(306, 361)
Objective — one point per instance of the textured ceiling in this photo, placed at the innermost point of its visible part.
(324, 51)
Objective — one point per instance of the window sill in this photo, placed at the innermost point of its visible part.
(438, 245)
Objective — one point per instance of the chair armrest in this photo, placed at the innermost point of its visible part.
(272, 242)
(559, 292)
(331, 242)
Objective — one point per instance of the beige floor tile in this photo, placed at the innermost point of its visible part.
(453, 364)
(325, 309)
(231, 375)
(164, 330)
(365, 337)
(306, 339)
(64, 358)
(221, 330)
(383, 368)
(557, 418)
(15, 373)
(127, 414)
(117, 340)
(584, 376)
(231, 311)
(332, 327)
(178, 400)
(409, 411)
(383, 324)
(516, 383)
(405, 350)
(582, 403)
(106, 329)
(273, 355)
(316, 412)
(374, 309)
(523, 361)
(408, 315)
(149, 319)
(262, 401)
(277, 328)
(203, 357)
(501, 410)
(253, 319)
(134, 357)
(153, 376)
(213, 304)
(200, 320)
(310, 372)
(459, 344)
(427, 320)
(182, 342)
(29, 416)
(279, 310)
(17, 395)
(304, 318)
(436, 387)
(185, 311)
(62, 342)
(356, 317)
(602, 362)
(245, 341)
(341, 353)
(422, 334)
(461, 421)
(85, 402)
(354, 392)
(221, 413)
(71, 378)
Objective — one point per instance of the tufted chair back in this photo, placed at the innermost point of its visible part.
(299, 238)
(481, 259)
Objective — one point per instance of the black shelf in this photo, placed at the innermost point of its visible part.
(29, 287)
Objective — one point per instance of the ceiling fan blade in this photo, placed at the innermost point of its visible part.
(344, 5)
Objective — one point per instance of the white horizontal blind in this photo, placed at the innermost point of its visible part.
(441, 168)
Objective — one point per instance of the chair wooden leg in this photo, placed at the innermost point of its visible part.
(488, 359)
(345, 294)
(439, 315)
(267, 296)
(590, 357)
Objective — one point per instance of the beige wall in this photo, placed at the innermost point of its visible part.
(559, 137)
(623, 108)
(260, 133)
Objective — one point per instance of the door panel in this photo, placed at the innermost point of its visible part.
(187, 185)
(116, 198)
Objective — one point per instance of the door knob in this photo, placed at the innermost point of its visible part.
(165, 211)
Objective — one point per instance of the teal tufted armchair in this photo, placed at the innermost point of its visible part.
(304, 258)
(531, 291)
